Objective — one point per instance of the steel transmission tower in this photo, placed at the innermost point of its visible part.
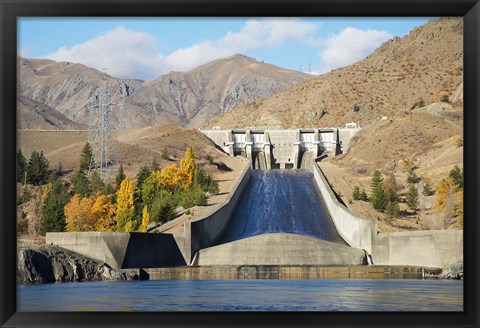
(100, 133)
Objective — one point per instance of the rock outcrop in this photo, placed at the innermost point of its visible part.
(454, 271)
(54, 264)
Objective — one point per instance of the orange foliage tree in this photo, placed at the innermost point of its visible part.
(78, 214)
(94, 213)
(103, 211)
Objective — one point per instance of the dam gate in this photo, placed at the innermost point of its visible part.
(281, 149)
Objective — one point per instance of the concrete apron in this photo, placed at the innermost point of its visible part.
(289, 272)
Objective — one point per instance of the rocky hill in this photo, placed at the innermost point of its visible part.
(185, 98)
(32, 114)
(422, 66)
(68, 88)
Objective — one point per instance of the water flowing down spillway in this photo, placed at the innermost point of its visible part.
(280, 201)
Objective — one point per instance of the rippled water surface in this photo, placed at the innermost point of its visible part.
(281, 201)
(245, 295)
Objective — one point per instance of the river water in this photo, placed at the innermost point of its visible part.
(245, 295)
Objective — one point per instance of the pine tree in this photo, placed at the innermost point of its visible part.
(378, 198)
(53, 217)
(80, 183)
(96, 183)
(427, 189)
(21, 166)
(120, 176)
(356, 194)
(155, 166)
(412, 197)
(412, 176)
(86, 157)
(393, 211)
(363, 196)
(391, 188)
(37, 169)
(142, 174)
(457, 176)
(125, 204)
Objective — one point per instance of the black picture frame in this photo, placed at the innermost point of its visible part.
(10, 10)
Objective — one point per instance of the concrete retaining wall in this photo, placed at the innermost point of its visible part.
(434, 248)
(289, 272)
(281, 249)
(357, 232)
(204, 232)
(345, 135)
(122, 250)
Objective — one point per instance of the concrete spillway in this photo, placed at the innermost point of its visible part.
(280, 202)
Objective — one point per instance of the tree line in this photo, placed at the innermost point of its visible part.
(384, 194)
(90, 204)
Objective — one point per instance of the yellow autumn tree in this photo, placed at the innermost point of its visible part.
(125, 204)
(103, 211)
(168, 177)
(447, 201)
(145, 220)
(129, 226)
(186, 171)
(444, 190)
(78, 214)
(46, 191)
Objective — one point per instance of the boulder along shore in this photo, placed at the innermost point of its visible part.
(48, 264)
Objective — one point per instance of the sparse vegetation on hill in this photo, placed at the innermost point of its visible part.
(402, 74)
(89, 205)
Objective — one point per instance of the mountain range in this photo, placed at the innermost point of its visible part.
(185, 98)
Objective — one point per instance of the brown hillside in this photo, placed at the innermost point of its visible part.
(32, 114)
(425, 64)
(134, 149)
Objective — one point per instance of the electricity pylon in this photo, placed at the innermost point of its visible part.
(100, 133)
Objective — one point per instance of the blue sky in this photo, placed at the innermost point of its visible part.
(145, 48)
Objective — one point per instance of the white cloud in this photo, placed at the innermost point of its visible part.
(122, 52)
(255, 34)
(349, 46)
(130, 54)
(126, 53)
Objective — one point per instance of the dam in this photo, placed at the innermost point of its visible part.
(276, 223)
(283, 149)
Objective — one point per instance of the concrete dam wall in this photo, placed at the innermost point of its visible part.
(357, 232)
(281, 149)
(122, 250)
